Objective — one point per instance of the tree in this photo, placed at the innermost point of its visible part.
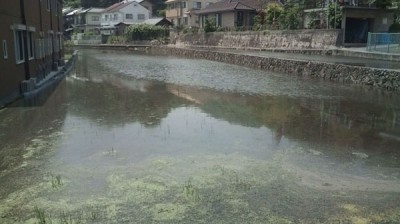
(272, 14)
(290, 17)
(334, 14)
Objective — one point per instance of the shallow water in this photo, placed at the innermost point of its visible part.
(136, 138)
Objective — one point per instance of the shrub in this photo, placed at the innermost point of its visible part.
(394, 28)
(116, 40)
(210, 25)
(145, 32)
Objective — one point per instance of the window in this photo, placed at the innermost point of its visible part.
(95, 18)
(185, 20)
(140, 16)
(129, 16)
(19, 46)
(48, 5)
(60, 39)
(106, 17)
(115, 17)
(5, 52)
(197, 5)
(183, 4)
(29, 36)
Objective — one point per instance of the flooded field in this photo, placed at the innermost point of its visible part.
(136, 138)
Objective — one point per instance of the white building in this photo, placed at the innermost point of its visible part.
(128, 11)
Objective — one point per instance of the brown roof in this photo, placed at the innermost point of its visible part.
(230, 5)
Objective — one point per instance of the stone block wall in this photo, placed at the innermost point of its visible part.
(381, 78)
(289, 39)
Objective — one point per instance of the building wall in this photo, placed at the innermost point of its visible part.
(179, 14)
(40, 23)
(228, 19)
(135, 9)
(378, 16)
(11, 73)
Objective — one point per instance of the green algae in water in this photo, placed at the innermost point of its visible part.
(168, 211)
(214, 189)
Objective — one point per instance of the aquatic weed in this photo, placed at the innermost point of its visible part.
(56, 181)
(40, 215)
(190, 191)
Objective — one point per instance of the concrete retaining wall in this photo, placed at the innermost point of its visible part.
(385, 79)
(291, 39)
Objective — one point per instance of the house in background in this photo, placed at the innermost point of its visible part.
(182, 12)
(121, 27)
(231, 13)
(88, 20)
(31, 44)
(358, 18)
(122, 12)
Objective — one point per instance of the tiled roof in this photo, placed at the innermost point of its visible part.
(230, 5)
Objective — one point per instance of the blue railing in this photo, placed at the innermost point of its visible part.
(384, 42)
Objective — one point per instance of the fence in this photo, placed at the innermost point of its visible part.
(384, 42)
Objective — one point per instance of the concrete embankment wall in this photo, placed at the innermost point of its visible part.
(290, 39)
(381, 78)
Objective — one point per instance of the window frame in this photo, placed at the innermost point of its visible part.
(141, 15)
(5, 51)
(95, 18)
(129, 14)
(48, 5)
(19, 31)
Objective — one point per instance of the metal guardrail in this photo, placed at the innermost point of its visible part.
(384, 42)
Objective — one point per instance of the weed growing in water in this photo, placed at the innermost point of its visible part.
(56, 181)
(191, 192)
(40, 215)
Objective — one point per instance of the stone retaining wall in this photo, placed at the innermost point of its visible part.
(385, 79)
(289, 39)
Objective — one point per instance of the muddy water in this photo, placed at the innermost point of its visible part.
(136, 138)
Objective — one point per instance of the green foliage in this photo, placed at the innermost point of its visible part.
(160, 13)
(90, 33)
(210, 25)
(116, 40)
(272, 14)
(190, 30)
(290, 17)
(384, 4)
(335, 17)
(144, 32)
(313, 23)
(258, 22)
(179, 28)
(394, 28)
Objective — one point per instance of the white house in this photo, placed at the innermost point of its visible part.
(127, 11)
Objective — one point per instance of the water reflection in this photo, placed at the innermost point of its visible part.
(187, 141)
